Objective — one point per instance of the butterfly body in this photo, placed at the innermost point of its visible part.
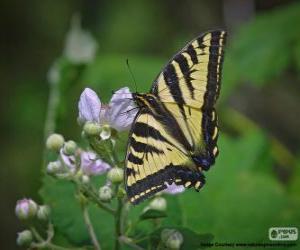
(174, 136)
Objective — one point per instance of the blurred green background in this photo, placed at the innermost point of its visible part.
(255, 183)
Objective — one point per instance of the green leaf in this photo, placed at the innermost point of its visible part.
(152, 214)
(67, 216)
(239, 202)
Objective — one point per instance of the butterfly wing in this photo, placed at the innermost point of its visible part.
(155, 159)
(177, 141)
(191, 81)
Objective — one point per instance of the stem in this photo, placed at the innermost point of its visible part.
(92, 194)
(90, 227)
(53, 101)
(118, 221)
(46, 243)
(129, 242)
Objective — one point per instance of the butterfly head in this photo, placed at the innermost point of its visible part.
(143, 100)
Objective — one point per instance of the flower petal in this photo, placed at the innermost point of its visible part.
(122, 110)
(174, 189)
(68, 161)
(91, 165)
(80, 45)
(89, 106)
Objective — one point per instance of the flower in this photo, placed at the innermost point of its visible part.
(121, 110)
(26, 209)
(80, 46)
(89, 106)
(118, 114)
(68, 161)
(174, 189)
(91, 165)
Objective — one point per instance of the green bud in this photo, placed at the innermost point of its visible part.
(43, 212)
(121, 192)
(26, 209)
(54, 167)
(70, 147)
(105, 193)
(24, 238)
(158, 203)
(116, 175)
(55, 142)
(91, 128)
(171, 238)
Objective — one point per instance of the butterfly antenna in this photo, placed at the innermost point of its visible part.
(132, 75)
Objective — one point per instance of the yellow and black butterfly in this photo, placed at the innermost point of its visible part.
(174, 135)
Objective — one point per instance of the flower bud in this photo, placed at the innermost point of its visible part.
(159, 204)
(105, 193)
(24, 238)
(54, 167)
(92, 128)
(26, 209)
(115, 175)
(70, 147)
(43, 212)
(105, 132)
(55, 142)
(85, 179)
(172, 239)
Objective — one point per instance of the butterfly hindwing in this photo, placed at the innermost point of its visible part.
(152, 158)
(174, 136)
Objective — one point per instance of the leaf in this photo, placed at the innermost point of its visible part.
(152, 214)
(239, 202)
(67, 215)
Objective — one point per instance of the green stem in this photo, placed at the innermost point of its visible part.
(130, 243)
(53, 102)
(90, 227)
(46, 243)
(118, 220)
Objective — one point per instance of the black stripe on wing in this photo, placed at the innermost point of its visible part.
(181, 175)
(164, 117)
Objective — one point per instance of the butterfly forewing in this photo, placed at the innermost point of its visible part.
(174, 136)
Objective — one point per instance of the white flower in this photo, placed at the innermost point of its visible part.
(80, 46)
(89, 106)
(174, 189)
(118, 114)
(91, 165)
(121, 110)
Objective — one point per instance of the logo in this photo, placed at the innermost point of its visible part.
(283, 233)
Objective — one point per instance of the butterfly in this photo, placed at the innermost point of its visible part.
(174, 135)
